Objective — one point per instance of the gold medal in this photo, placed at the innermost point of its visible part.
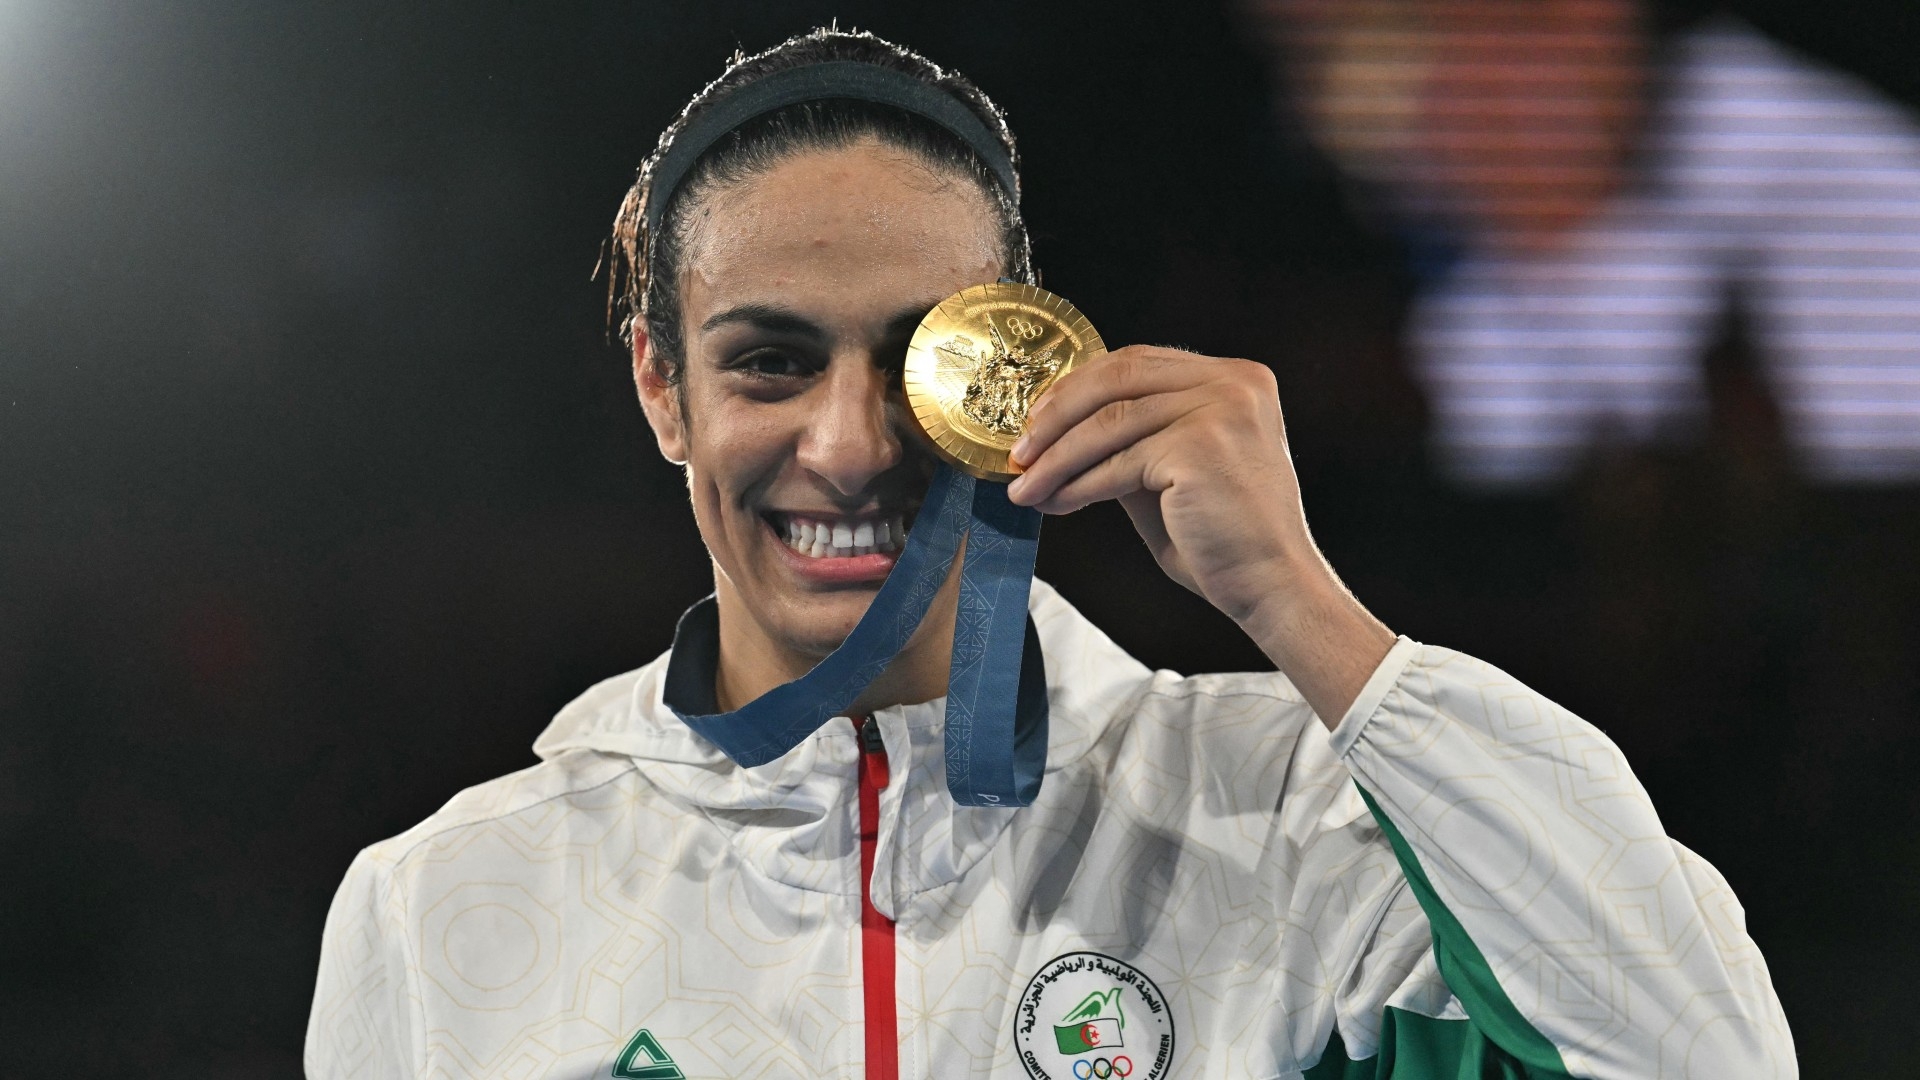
(979, 361)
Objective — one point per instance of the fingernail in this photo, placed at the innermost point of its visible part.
(1016, 486)
(1020, 448)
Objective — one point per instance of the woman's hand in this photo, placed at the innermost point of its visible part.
(1195, 449)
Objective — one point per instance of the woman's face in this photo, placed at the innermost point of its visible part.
(801, 288)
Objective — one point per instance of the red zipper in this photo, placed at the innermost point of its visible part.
(876, 930)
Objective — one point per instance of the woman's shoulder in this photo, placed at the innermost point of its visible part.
(533, 798)
(1115, 713)
(1092, 676)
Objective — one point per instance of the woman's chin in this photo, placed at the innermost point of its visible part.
(816, 625)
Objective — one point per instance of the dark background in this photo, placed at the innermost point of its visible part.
(321, 488)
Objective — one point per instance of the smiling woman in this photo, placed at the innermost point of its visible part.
(770, 286)
(1279, 849)
(804, 284)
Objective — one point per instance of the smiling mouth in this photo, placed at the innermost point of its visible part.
(815, 537)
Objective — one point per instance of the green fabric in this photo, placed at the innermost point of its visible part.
(1468, 975)
(1415, 1047)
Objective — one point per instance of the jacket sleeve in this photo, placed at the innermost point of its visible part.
(364, 1008)
(1575, 937)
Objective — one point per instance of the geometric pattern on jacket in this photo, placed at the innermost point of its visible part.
(1513, 900)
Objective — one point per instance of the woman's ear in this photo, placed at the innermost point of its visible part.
(659, 399)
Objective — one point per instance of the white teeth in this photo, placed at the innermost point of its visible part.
(845, 539)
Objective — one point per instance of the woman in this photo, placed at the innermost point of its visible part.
(1460, 878)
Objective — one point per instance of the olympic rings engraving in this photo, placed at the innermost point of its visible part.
(1024, 328)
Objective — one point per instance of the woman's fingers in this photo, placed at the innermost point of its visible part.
(1137, 371)
(1110, 432)
(1112, 476)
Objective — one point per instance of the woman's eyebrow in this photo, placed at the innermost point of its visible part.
(906, 321)
(776, 319)
(768, 317)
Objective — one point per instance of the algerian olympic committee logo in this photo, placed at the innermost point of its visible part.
(1090, 1017)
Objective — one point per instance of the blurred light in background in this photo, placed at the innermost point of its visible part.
(1618, 199)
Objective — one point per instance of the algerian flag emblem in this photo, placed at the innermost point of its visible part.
(1089, 1016)
(1094, 1024)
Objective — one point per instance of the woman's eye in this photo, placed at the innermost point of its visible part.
(773, 362)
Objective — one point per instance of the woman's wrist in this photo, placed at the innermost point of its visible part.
(1320, 636)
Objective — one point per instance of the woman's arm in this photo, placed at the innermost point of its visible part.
(1578, 938)
(363, 1001)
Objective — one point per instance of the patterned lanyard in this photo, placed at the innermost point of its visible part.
(996, 719)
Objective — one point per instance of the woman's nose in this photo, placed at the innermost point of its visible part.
(850, 437)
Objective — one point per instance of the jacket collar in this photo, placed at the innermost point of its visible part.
(793, 816)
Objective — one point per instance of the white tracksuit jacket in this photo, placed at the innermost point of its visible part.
(1463, 878)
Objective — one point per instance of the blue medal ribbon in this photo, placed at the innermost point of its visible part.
(996, 719)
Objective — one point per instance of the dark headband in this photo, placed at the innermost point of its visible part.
(832, 80)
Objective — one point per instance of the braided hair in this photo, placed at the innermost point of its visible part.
(644, 286)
